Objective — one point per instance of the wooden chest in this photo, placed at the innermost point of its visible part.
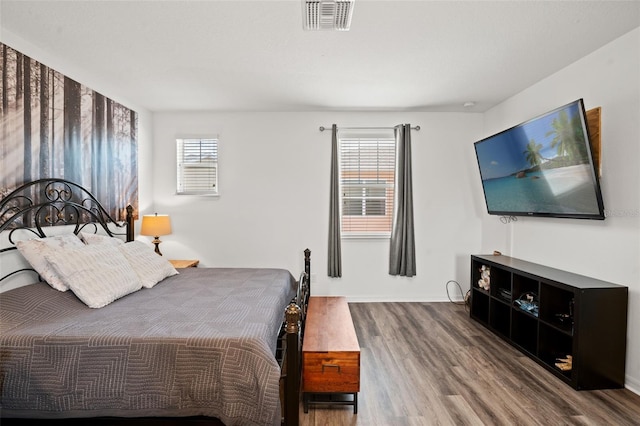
(330, 351)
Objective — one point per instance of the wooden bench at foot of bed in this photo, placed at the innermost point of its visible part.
(330, 354)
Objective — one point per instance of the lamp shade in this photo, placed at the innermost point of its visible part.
(155, 225)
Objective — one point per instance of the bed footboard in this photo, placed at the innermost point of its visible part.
(295, 316)
(292, 366)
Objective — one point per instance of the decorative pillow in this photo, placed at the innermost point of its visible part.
(150, 267)
(35, 251)
(97, 274)
(100, 239)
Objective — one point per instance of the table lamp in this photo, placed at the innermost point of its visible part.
(156, 225)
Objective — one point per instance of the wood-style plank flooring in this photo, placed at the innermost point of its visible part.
(429, 364)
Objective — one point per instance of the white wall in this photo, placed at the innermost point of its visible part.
(609, 249)
(274, 186)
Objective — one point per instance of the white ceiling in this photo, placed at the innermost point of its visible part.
(419, 55)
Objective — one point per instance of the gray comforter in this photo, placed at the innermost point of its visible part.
(198, 343)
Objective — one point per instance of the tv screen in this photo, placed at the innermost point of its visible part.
(542, 167)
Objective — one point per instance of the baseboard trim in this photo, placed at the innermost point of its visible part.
(632, 384)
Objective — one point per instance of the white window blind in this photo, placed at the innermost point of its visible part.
(367, 177)
(197, 161)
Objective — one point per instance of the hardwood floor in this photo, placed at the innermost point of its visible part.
(429, 364)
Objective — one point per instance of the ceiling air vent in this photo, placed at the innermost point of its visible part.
(327, 14)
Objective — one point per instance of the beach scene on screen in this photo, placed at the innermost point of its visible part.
(542, 166)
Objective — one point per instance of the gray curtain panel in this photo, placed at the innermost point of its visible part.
(402, 258)
(335, 250)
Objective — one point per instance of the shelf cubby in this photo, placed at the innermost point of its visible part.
(499, 320)
(523, 284)
(557, 306)
(525, 331)
(554, 345)
(501, 284)
(480, 306)
(574, 315)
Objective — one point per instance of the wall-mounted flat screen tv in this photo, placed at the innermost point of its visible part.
(542, 167)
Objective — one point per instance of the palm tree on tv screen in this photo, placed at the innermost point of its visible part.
(568, 138)
(532, 153)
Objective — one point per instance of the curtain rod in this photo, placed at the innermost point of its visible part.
(322, 128)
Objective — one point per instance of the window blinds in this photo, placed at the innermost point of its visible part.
(367, 175)
(197, 166)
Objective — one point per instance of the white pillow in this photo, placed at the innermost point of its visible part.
(35, 251)
(100, 239)
(97, 274)
(150, 267)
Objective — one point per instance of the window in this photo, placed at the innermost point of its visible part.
(367, 176)
(197, 161)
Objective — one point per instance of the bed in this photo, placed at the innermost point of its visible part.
(217, 342)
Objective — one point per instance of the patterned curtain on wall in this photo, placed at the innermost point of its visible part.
(54, 127)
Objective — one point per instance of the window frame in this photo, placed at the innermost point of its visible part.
(199, 163)
(380, 178)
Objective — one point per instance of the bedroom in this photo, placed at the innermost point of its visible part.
(246, 224)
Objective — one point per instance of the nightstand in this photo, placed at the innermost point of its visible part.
(184, 263)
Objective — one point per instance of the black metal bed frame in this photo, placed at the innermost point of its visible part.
(50, 202)
(41, 204)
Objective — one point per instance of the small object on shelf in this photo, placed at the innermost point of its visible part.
(571, 304)
(564, 364)
(485, 277)
(564, 318)
(505, 294)
(528, 302)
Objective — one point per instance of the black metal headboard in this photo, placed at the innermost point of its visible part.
(38, 205)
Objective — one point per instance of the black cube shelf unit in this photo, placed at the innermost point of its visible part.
(569, 316)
